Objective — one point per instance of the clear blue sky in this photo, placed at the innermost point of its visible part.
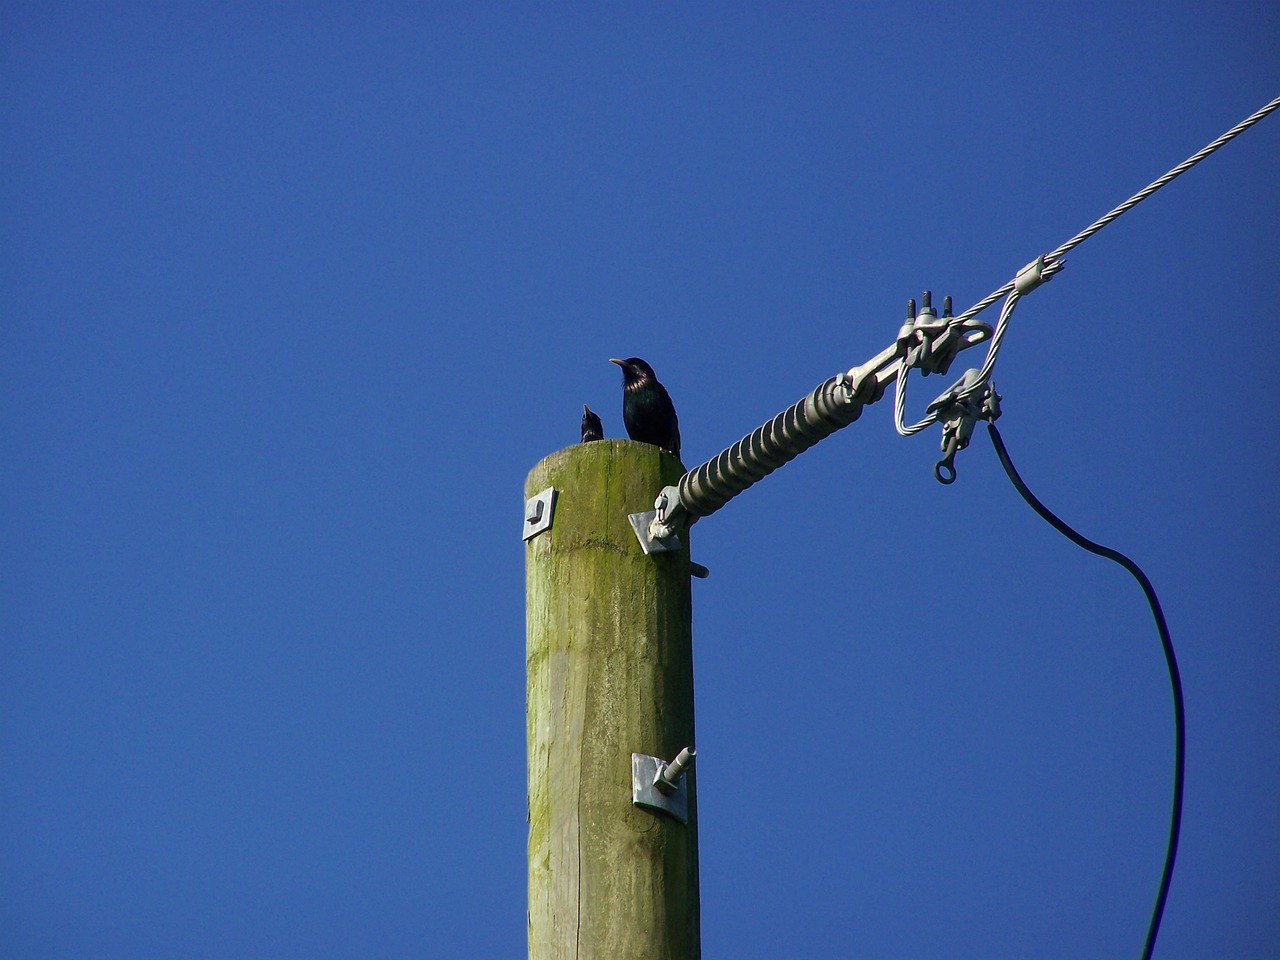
(294, 296)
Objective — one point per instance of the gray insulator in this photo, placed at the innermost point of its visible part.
(707, 488)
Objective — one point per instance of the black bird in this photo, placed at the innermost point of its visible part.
(592, 428)
(647, 410)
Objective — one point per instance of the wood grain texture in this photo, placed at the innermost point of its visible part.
(610, 672)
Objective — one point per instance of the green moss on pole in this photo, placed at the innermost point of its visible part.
(610, 672)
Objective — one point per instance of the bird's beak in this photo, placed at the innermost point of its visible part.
(621, 363)
(585, 408)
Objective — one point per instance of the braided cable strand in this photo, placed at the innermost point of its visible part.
(1052, 263)
(1129, 204)
(900, 405)
(1155, 185)
(833, 404)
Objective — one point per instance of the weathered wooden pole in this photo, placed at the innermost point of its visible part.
(610, 673)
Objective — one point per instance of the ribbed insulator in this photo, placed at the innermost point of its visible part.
(707, 488)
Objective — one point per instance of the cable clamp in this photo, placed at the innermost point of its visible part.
(930, 342)
(969, 400)
(658, 529)
(862, 384)
(1040, 270)
(670, 516)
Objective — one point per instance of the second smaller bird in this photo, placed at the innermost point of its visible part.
(647, 410)
(592, 428)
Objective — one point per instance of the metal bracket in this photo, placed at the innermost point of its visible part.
(649, 544)
(867, 382)
(661, 786)
(538, 511)
(958, 414)
(929, 342)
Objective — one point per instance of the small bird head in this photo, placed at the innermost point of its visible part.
(592, 428)
(634, 370)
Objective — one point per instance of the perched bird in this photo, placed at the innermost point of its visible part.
(592, 428)
(647, 410)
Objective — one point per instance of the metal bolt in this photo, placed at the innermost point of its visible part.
(669, 774)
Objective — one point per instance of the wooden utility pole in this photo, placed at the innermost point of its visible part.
(610, 673)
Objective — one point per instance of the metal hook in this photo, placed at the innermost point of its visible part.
(944, 471)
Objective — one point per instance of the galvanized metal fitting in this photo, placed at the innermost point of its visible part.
(660, 786)
(538, 512)
(967, 401)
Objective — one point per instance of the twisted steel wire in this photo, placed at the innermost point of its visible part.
(833, 405)
(1156, 184)
(1052, 263)
(1132, 202)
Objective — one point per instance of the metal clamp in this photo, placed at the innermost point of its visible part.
(1036, 272)
(642, 524)
(656, 529)
(929, 342)
(660, 786)
(959, 409)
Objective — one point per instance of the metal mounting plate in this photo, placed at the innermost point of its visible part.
(644, 770)
(640, 524)
(538, 511)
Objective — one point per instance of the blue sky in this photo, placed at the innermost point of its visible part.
(295, 297)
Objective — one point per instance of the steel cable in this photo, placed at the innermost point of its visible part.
(832, 404)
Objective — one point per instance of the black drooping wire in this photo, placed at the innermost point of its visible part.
(1179, 717)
